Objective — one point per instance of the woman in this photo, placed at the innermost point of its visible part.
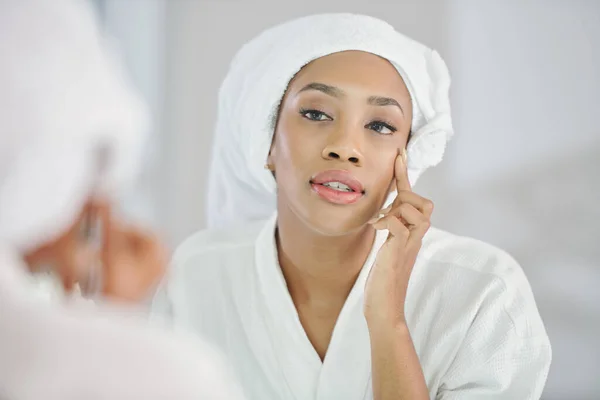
(315, 303)
(71, 132)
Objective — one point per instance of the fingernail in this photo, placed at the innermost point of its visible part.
(404, 156)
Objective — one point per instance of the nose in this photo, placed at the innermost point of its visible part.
(343, 147)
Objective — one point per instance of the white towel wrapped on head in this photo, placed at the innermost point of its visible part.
(240, 189)
(64, 98)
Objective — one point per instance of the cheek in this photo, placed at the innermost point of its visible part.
(294, 145)
(383, 169)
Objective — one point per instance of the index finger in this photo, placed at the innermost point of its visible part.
(401, 172)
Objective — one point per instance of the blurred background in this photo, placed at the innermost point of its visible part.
(523, 171)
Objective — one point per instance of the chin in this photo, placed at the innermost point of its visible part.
(331, 220)
(336, 230)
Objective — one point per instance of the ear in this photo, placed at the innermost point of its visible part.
(270, 164)
(272, 156)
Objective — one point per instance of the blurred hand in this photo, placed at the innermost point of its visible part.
(133, 261)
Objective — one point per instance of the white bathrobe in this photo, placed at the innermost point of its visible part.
(470, 311)
(81, 351)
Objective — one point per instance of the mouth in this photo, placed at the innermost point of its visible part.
(337, 187)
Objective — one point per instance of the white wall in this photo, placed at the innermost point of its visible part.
(138, 28)
(522, 172)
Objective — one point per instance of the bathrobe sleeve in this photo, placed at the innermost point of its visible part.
(506, 353)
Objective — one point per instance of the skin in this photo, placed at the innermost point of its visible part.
(323, 246)
(132, 260)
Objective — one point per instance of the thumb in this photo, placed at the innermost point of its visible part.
(401, 172)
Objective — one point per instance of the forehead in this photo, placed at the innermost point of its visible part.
(354, 69)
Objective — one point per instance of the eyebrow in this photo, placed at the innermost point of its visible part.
(337, 92)
(384, 101)
(327, 89)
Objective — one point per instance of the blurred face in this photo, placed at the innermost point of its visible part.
(341, 125)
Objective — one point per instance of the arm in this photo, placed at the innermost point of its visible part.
(396, 369)
(395, 366)
(516, 370)
(506, 353)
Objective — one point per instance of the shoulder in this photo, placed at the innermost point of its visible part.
(467, 253)
(492, 278)
(500, 342)
(210, 244)
(466, 256)
(206, 261)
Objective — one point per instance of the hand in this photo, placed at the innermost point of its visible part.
(407, 221)
(132, 260)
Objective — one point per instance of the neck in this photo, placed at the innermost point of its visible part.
(320, 270)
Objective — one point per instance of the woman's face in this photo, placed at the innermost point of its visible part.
(342, 123)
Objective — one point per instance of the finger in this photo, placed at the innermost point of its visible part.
(418, 227)
(120, 252)
(141, 238)
(380, 214)
(144, 242)
(425, 206)
(413, 220)
(138, 264)
(130, 241)
(386, 210)
(417, 223)
(395, 227)
(145, 248)
(421, 204)
(68, 281)
(401, 172)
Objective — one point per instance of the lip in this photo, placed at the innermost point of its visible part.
(338, 175)
(336, 196)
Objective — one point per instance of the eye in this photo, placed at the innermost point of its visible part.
(381, 127)
(315, 115)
